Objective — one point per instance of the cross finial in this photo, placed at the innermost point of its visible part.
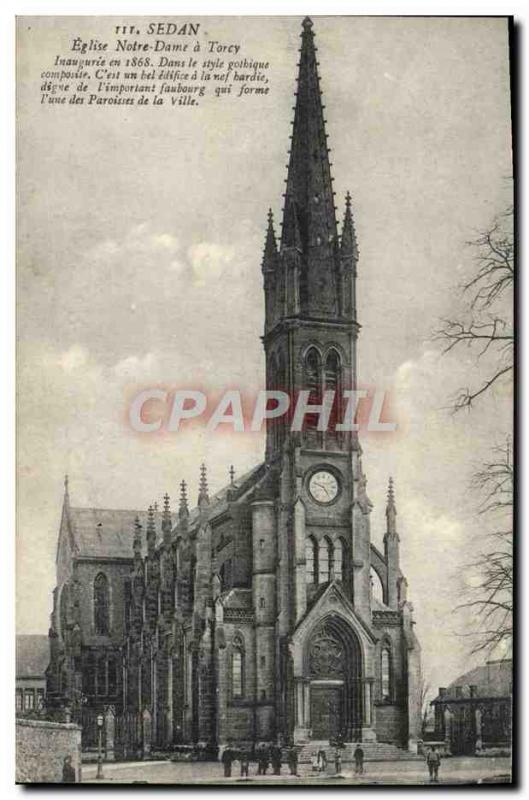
(232, 474)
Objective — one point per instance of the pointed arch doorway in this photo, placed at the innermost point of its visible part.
(334, 668)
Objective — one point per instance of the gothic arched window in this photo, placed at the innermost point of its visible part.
(237, 667)
(333, 384)
(311, 560)
(281, 384)
(89, 674)
(338, 560)
(101, 605)
(178, 555)
(385, 672)
(325, 560)
(226, 575)
(63, 609)
(377, 589)
(101, 676)
(313, 384)
(112, 675)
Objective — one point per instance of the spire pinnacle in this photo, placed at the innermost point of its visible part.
(203, 497)
(391, 509)
(183, 510)
(136, 544)
(349, 245)
(232, 475)
(66, 490)
(151, 531)
(166, 519)
(270, 249)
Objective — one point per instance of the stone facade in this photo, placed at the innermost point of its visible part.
(253, 617)
(41, 748)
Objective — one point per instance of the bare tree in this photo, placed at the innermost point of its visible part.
(490, 594)
(424, 690)
(487, 329)
(487, 325)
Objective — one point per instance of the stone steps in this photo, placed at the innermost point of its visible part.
(373, 751)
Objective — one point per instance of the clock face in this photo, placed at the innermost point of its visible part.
(323, 486)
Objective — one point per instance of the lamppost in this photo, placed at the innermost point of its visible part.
(100, 721)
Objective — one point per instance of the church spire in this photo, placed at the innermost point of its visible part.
(309, 219)
(309, 182)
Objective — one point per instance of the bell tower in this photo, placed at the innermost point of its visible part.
(309, 277)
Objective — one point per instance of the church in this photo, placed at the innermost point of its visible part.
(254, 616)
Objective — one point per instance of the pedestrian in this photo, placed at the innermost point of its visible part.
(322, 760)
(227, 760)
(68, 772)
(245, 762)
(262, 758)
(433, 760)
(314, 762)
(358, 756)
(275, 754)
(293, 759)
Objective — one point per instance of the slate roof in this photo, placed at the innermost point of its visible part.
(32, 655)
(108, 533)
(494, 679)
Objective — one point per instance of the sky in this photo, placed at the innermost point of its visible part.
(140, 236)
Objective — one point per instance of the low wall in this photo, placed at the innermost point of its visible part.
(41, 747)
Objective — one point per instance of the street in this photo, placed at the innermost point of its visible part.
(457, 770)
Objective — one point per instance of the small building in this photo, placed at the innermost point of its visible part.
(32, 657)
(474, 713)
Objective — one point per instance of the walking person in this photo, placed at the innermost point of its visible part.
(275, 754)
(293, 759)
(227, 760)
(358, 756)
(68, 772)
(433, 760)
(322, 761)
(262, 758)
(245, 762)
(337, 761)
